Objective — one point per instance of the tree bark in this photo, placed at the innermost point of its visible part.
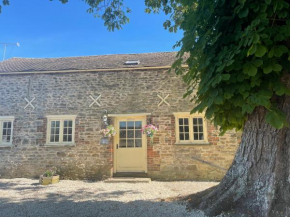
(258, 181)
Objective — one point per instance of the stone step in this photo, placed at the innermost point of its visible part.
(130, 174)
(127, 180)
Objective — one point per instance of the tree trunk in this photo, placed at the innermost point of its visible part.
(258, 182)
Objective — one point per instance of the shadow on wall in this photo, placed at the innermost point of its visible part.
(44, 201)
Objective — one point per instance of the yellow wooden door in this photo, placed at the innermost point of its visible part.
(130, 145)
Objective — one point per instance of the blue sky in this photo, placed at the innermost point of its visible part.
(51, 29)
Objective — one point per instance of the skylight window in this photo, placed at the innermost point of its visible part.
(132, 62)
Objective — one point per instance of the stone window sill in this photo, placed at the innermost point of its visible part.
(60, 145)
(192, 143)
(6, 145)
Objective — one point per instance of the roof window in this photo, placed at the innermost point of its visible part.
(132, 62)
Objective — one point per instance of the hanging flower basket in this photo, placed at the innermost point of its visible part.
(149, 130)
(109, 131)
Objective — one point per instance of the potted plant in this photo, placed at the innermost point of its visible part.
(49, 177)
(149, 130)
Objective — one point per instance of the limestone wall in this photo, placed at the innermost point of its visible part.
(121, 92)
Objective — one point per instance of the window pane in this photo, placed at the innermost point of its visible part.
(200, 128)
(67, 130)
(138, 134)
(138, 143)
(122, 133)
(130, 134)
(186, 136)
(194, 121)
(185, 121)
(180, 121)
(180, 129)
(200, 120)
(6, 131)
(130, 143)
(54, 131)
(138, 124)
(123, 125)
(186, 129)
(181, 136)
(130, 125)
(69, 138)
(195, 136)
(195, 129)
(122, 144)
(201, 136)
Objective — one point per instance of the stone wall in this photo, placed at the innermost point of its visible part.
(121, 92)
(168, 161)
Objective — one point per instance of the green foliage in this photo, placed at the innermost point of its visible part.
(239, 51)
(113, 12)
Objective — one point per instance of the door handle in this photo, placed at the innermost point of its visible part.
(117, 146)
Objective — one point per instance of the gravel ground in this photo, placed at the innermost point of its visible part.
(26, 198)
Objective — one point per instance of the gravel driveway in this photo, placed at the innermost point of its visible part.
(26, 198)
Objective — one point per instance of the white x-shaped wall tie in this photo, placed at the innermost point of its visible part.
(163, 100)
(29, 103)
(95, 100)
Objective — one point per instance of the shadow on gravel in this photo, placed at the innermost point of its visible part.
(69, 206)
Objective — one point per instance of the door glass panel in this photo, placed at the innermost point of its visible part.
(122, 125)
(122, 144)
(130, 125)
(138, 143)
(130, 134)
(130, 143)
(123, 134)
(138, 125)
(138, 134)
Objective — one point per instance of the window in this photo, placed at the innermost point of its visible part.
(190, 128)
(60, 129)
(6, 130)
(130, 134)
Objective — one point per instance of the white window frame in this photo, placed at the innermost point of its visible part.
(2, 120)
(61, 119)
(190, 122)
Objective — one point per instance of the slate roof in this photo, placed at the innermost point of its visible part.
(86, 62)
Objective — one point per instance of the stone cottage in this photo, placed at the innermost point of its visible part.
(52, 111)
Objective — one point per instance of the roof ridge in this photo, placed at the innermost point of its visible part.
(42, 58)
